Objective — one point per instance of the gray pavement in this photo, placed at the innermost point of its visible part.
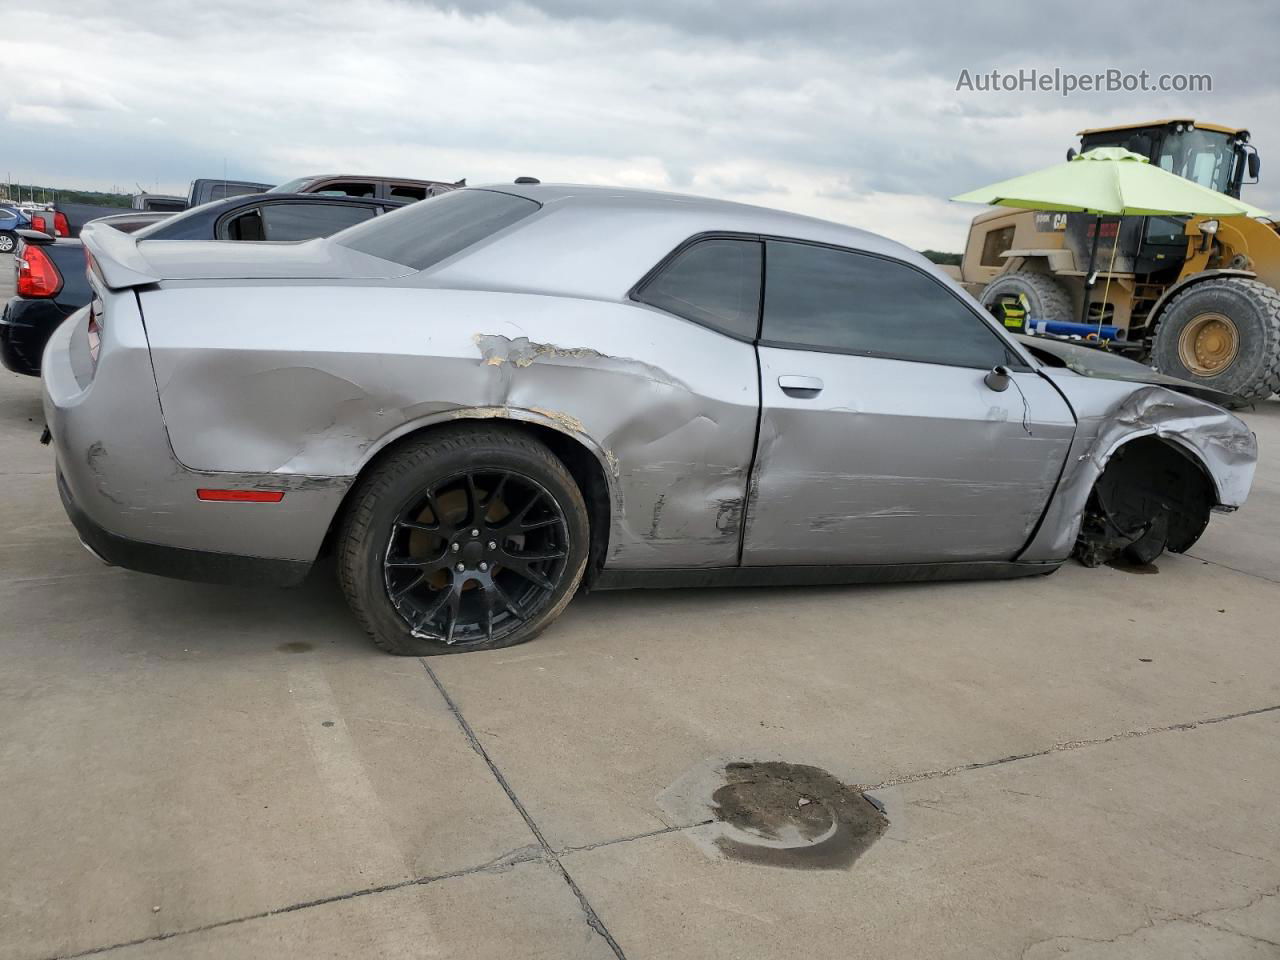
(1081, 765)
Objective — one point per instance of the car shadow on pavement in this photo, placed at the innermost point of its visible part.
(168, 618)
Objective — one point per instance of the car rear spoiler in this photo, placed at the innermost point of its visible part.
(115, 257)
(34, 237)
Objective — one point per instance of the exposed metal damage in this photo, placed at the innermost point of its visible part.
(1203, 441)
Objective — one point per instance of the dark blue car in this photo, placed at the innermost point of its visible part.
(11, 220)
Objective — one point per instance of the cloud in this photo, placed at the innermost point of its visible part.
(27, 113)
(838, 108)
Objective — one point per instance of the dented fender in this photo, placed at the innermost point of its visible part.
(1112, 413)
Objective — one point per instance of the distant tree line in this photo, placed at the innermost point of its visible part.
(937, 256)
(18, 192)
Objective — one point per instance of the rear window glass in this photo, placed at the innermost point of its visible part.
(714, 282)
(425, 233)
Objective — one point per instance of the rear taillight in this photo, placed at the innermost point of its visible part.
(60, 225)
(38, 223)
(37, 276)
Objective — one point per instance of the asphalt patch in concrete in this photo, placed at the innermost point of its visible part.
(793, 815)
(774, 813)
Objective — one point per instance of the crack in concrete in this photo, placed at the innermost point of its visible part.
(1061, 747)
(1225, 566)
(550, 855)
(1165, 917)
(542, 852)
(660, 832)
(506, 861)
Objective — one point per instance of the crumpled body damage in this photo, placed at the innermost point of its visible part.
(1111, 413)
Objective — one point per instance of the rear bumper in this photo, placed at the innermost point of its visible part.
(25, 327)
(179, 563)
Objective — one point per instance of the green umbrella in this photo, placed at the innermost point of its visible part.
(1109, 181)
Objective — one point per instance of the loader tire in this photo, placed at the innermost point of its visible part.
(1224, 334)
(1046, 298)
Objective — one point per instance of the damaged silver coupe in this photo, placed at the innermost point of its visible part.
(488, 400)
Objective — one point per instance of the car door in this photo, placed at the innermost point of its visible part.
(880, 441)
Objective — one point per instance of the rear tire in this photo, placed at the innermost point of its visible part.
(438, 553)
(1252, 308)
(1046, 298)
(8, 241)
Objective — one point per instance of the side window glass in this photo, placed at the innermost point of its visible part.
(845, 302)
(306, 221)
(994, 245)
(346, 188)
(715, 282)
(405, 191)
(244, 226)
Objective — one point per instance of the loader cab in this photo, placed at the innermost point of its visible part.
(1219, 158)
(1215, 157)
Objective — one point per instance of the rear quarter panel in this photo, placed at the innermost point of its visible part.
(313, 379)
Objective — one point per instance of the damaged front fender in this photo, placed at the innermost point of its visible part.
(1113, 413)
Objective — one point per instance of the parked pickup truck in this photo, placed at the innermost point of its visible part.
(51, 281)
(164, 202)
(206, 190)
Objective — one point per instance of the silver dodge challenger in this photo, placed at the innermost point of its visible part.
(489, 400)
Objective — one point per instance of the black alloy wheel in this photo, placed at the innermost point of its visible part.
(475, 556)
(472, 538)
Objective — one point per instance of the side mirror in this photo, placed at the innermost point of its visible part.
(1255, 165)
(1071, 154)
(998, 379)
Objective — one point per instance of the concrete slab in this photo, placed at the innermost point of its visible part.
(165, 746)
(1156, 846)
(525, 911)
(21, 420)
(169, 745)
(872, 683)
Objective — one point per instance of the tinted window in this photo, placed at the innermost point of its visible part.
(995, 244)
(714, 282)
(345, 188)
(246, 226)
(306, 221)
(404, 191)
(855, 303)
(425, 233)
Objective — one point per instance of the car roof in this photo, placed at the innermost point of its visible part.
(560, 251)
(726, 215)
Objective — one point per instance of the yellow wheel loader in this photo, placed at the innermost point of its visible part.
(1196, 297)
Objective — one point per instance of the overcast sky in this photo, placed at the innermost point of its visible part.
(841, 109)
